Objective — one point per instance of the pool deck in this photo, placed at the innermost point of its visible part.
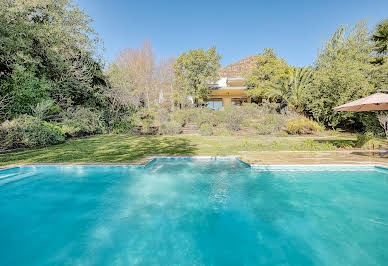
(360, 157)
(263, 158)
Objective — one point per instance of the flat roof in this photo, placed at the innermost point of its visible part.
(230, 88)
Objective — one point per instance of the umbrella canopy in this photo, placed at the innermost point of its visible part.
(374, 102)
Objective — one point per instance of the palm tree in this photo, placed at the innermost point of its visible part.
(293, 90)
(380, 37)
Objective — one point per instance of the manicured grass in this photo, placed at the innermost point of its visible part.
(121, 148)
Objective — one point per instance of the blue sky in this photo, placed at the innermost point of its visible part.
(295, 29)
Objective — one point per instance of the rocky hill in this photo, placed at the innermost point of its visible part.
(238, 69)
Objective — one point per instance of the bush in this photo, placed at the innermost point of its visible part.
(251, 109)
(170, 128)
(28, 132)
(222, 132)
(219, 116)
(162, 114)
(123, 126)
(270, 123)
(206, 130)
(195, 115)
(183, 116)
(205, 116)
(270, 108)
(144, 122)
(81, 121)
(362, 139)
(113, 117)
(45, 109)
(234, 115)
(311, 145)
(302, 125)
(246, 122)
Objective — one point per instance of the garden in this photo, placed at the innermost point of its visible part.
(55, 89)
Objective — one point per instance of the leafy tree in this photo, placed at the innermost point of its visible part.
(29, 91)
(268, 73)
(342, 74)
(52, 42)
(380, 38)
(195, 71)
(379, 76)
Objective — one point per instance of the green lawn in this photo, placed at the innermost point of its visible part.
(117, 148)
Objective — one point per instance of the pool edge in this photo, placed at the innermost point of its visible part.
(148, 161)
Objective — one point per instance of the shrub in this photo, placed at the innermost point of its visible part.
(28, 132)
(246, 122)
(222, 132)
(205, 116)
(195, 115)
(219, 116)
(253, 111)
(269, 108)
(123, 126)
(183, 116)
(45, 110)
(270, 123)
(234, 116)
(302, 125)
(362, 139)
(335, 131)
(206, 130)
(81, 121)
(162, 114)
(144, 122)
(170, 128)
(112, 116)
(311, 145)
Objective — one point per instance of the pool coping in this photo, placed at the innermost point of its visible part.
(149, 160)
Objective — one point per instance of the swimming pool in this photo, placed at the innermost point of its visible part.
(194, 212)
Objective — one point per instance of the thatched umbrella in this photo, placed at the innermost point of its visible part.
(374, 102)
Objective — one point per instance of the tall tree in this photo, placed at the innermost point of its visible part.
(165, 78)
(268, 72)
(48, 48)
(195, 71)
(380, 37)
(342, 74)
(132, 76)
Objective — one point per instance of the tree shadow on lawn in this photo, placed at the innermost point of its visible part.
(104, 149)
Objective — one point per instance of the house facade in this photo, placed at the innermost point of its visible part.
(231, 88)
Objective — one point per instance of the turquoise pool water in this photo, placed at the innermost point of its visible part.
(193, 212)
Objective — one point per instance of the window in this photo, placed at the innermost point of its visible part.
(215, 105)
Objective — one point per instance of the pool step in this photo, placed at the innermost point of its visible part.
(14, 177)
